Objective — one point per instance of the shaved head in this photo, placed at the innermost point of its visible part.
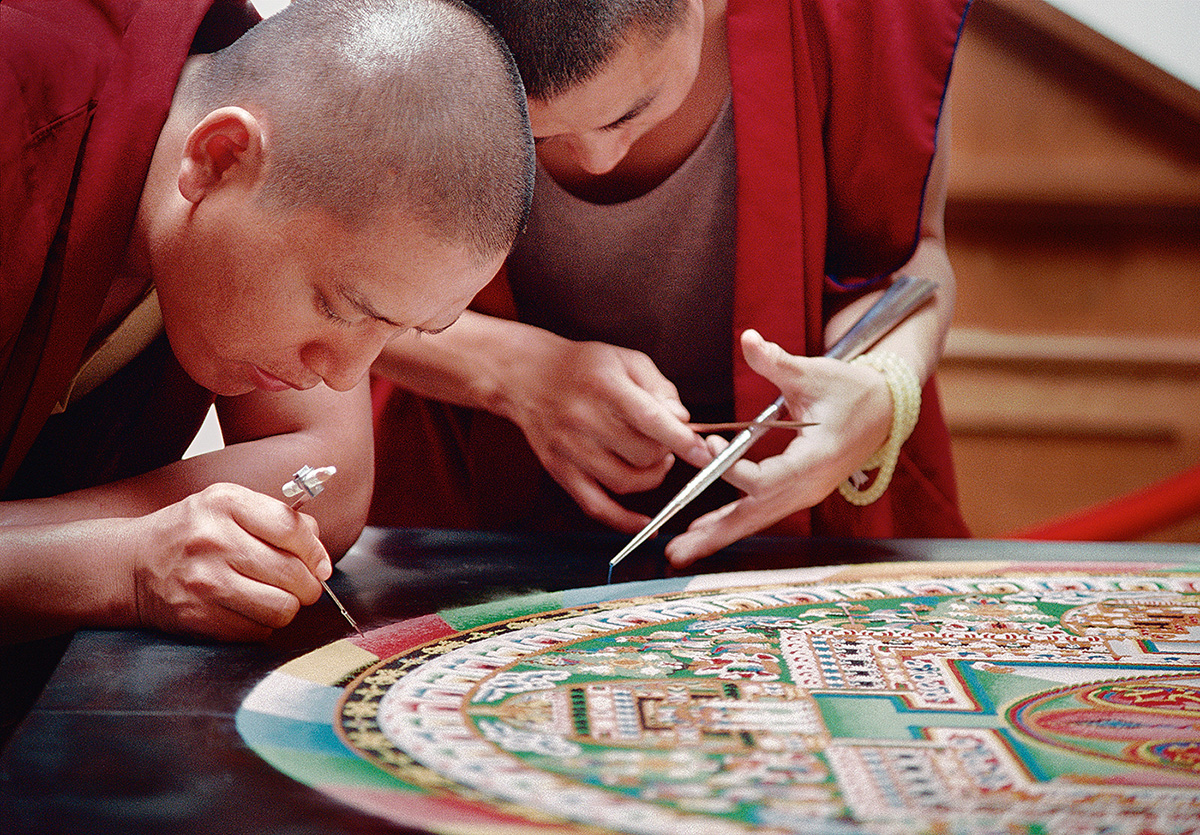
(378, 105)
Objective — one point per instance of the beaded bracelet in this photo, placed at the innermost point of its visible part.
(905, 387)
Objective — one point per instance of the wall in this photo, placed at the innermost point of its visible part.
(1074, 228)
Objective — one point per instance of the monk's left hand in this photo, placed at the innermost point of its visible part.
(852, 407)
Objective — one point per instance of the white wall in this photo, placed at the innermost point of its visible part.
(266, 8)
(209, 438)
(1164, 32)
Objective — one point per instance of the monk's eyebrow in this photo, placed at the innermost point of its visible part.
(364, 307)
(633, 112)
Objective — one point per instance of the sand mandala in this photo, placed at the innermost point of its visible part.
(885, 699)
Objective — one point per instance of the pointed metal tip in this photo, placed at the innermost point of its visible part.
(630, 548)
(341, 608)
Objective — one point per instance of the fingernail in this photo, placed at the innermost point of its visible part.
(325, 569)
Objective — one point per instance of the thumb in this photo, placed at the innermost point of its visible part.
(763, 357)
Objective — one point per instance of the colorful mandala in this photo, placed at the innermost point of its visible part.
(904, 698)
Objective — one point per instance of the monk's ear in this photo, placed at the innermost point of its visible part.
(225, 147)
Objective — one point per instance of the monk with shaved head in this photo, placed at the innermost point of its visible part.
(196, 206)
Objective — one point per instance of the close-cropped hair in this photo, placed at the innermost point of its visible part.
(561, 43)
(376, 105)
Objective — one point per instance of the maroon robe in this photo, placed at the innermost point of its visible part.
(836, 107)
(86, 88)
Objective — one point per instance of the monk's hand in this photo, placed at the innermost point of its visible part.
(602, 420)
(852, 407)
(226, 563)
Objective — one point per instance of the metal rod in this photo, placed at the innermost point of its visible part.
(746, 424)
(308, 483)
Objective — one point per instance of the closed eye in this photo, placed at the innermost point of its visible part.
(638, 108)
(328, 312)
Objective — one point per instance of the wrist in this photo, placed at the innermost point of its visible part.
(519, 365)
(905, 388)
(60, 576)
(112, 581)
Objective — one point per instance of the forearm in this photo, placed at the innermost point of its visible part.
(264, 465)
(268, 440)
(56, 577)
(261, 458)
(471, 364)
(921, 338)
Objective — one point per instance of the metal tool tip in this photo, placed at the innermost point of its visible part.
(627, 550)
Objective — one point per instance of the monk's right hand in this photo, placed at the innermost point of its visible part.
(601, 419)
(226, 563)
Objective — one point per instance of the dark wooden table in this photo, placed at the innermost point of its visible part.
(135, 731)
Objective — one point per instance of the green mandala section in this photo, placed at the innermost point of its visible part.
(1030, 704)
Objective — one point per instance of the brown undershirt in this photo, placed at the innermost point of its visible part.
(654, 273)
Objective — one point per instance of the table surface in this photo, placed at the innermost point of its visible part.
(135, 731)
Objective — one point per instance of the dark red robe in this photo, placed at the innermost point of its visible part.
(836, 106)
(86, 88)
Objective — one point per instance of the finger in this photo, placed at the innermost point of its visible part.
(642, 430)
(585, 431)
(763, 357)
(716, 444)
(720, 528)
(629, 445)
(215, 599)
(646, 375)
(222, 624)
(620, 477)
(654, 410)
(288, 530)
(596, 503)
(791, 374)
(743, 474)
(261, 603)
(320, 564)
(791, 481)
(281, 569)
